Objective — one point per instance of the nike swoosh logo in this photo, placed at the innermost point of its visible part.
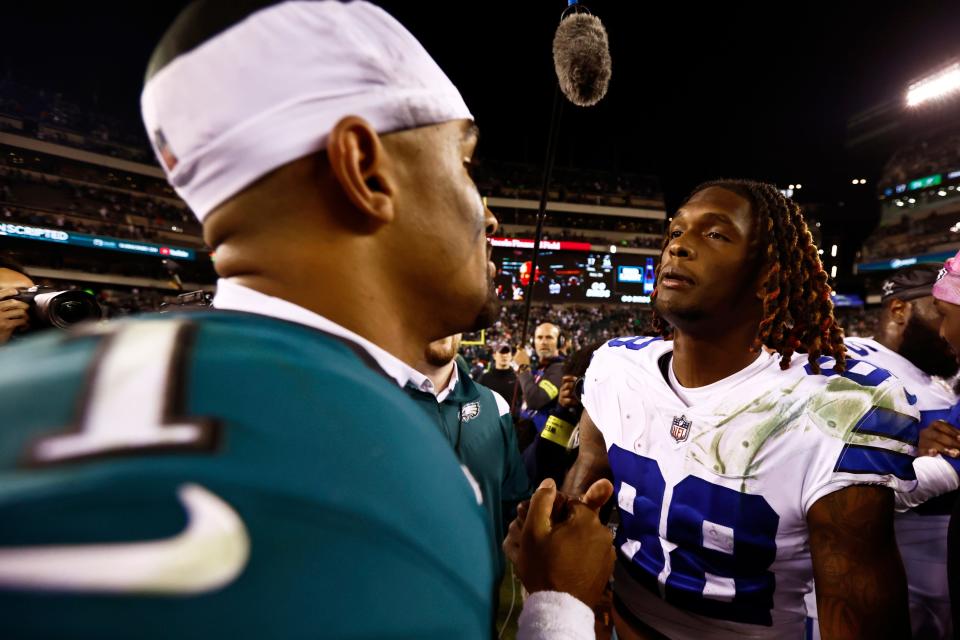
(912, 399)
(208, 554)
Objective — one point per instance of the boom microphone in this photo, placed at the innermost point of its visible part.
(581, 56)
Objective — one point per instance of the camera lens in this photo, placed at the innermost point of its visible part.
(63, 309)
(73, 311)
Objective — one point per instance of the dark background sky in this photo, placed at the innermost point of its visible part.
(759, 90)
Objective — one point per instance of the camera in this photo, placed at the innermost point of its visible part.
(61, 309)
(197, 299)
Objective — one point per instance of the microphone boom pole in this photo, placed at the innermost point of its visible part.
(555, 116)
(581, 58)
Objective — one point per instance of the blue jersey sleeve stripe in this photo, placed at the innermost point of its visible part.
(889, 424)
(929, 417)
(634, 343)
(857, 458)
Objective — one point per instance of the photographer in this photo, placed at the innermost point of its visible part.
(13, 313)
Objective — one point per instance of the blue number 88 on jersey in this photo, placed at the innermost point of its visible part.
(718, 547)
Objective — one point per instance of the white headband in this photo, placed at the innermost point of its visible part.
(269, 90)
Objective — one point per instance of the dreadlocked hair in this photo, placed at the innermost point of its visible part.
(797, 309)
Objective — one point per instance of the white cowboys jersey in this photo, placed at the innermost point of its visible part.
(921, 533)
(713, 497)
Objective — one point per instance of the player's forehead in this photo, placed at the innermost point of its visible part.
(716, 204)
(458, 136)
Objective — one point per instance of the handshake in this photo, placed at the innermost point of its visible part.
(558, 543)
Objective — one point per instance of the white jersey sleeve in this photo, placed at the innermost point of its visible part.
(868, 426)
(616, 359)
(935, 477)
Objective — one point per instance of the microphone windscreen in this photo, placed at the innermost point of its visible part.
(581, 57)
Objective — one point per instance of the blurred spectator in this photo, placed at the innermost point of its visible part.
(858, 321)
(502, 377)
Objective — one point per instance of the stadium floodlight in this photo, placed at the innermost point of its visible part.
(799, 186)
(854, 181)
(833, 251)
(937, 85)
(790, 187)
(833, 271)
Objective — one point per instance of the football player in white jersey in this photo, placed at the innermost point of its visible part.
(908, 344)
(740, 473)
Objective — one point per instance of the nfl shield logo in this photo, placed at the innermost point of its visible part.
(680, 428)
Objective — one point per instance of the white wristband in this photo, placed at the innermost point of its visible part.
(552, 615)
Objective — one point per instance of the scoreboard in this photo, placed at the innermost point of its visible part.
(575, 276)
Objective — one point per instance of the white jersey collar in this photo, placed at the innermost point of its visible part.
(236, 297)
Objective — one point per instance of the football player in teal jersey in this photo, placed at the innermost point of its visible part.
(256, 471)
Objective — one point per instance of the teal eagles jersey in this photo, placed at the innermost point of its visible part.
(480, 430)
(713, 497)
(222, 474)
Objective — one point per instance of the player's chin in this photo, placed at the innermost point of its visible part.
(487, 306)
(676, 308)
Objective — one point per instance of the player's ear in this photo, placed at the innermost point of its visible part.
(900, 311)
(360, 165)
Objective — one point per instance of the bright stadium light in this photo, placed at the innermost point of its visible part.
(799, 186)
(833, 251)
(938, 85)
(790, 187)
(854, 181)
(833, 271)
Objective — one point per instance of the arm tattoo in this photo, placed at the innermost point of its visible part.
(860, 581)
